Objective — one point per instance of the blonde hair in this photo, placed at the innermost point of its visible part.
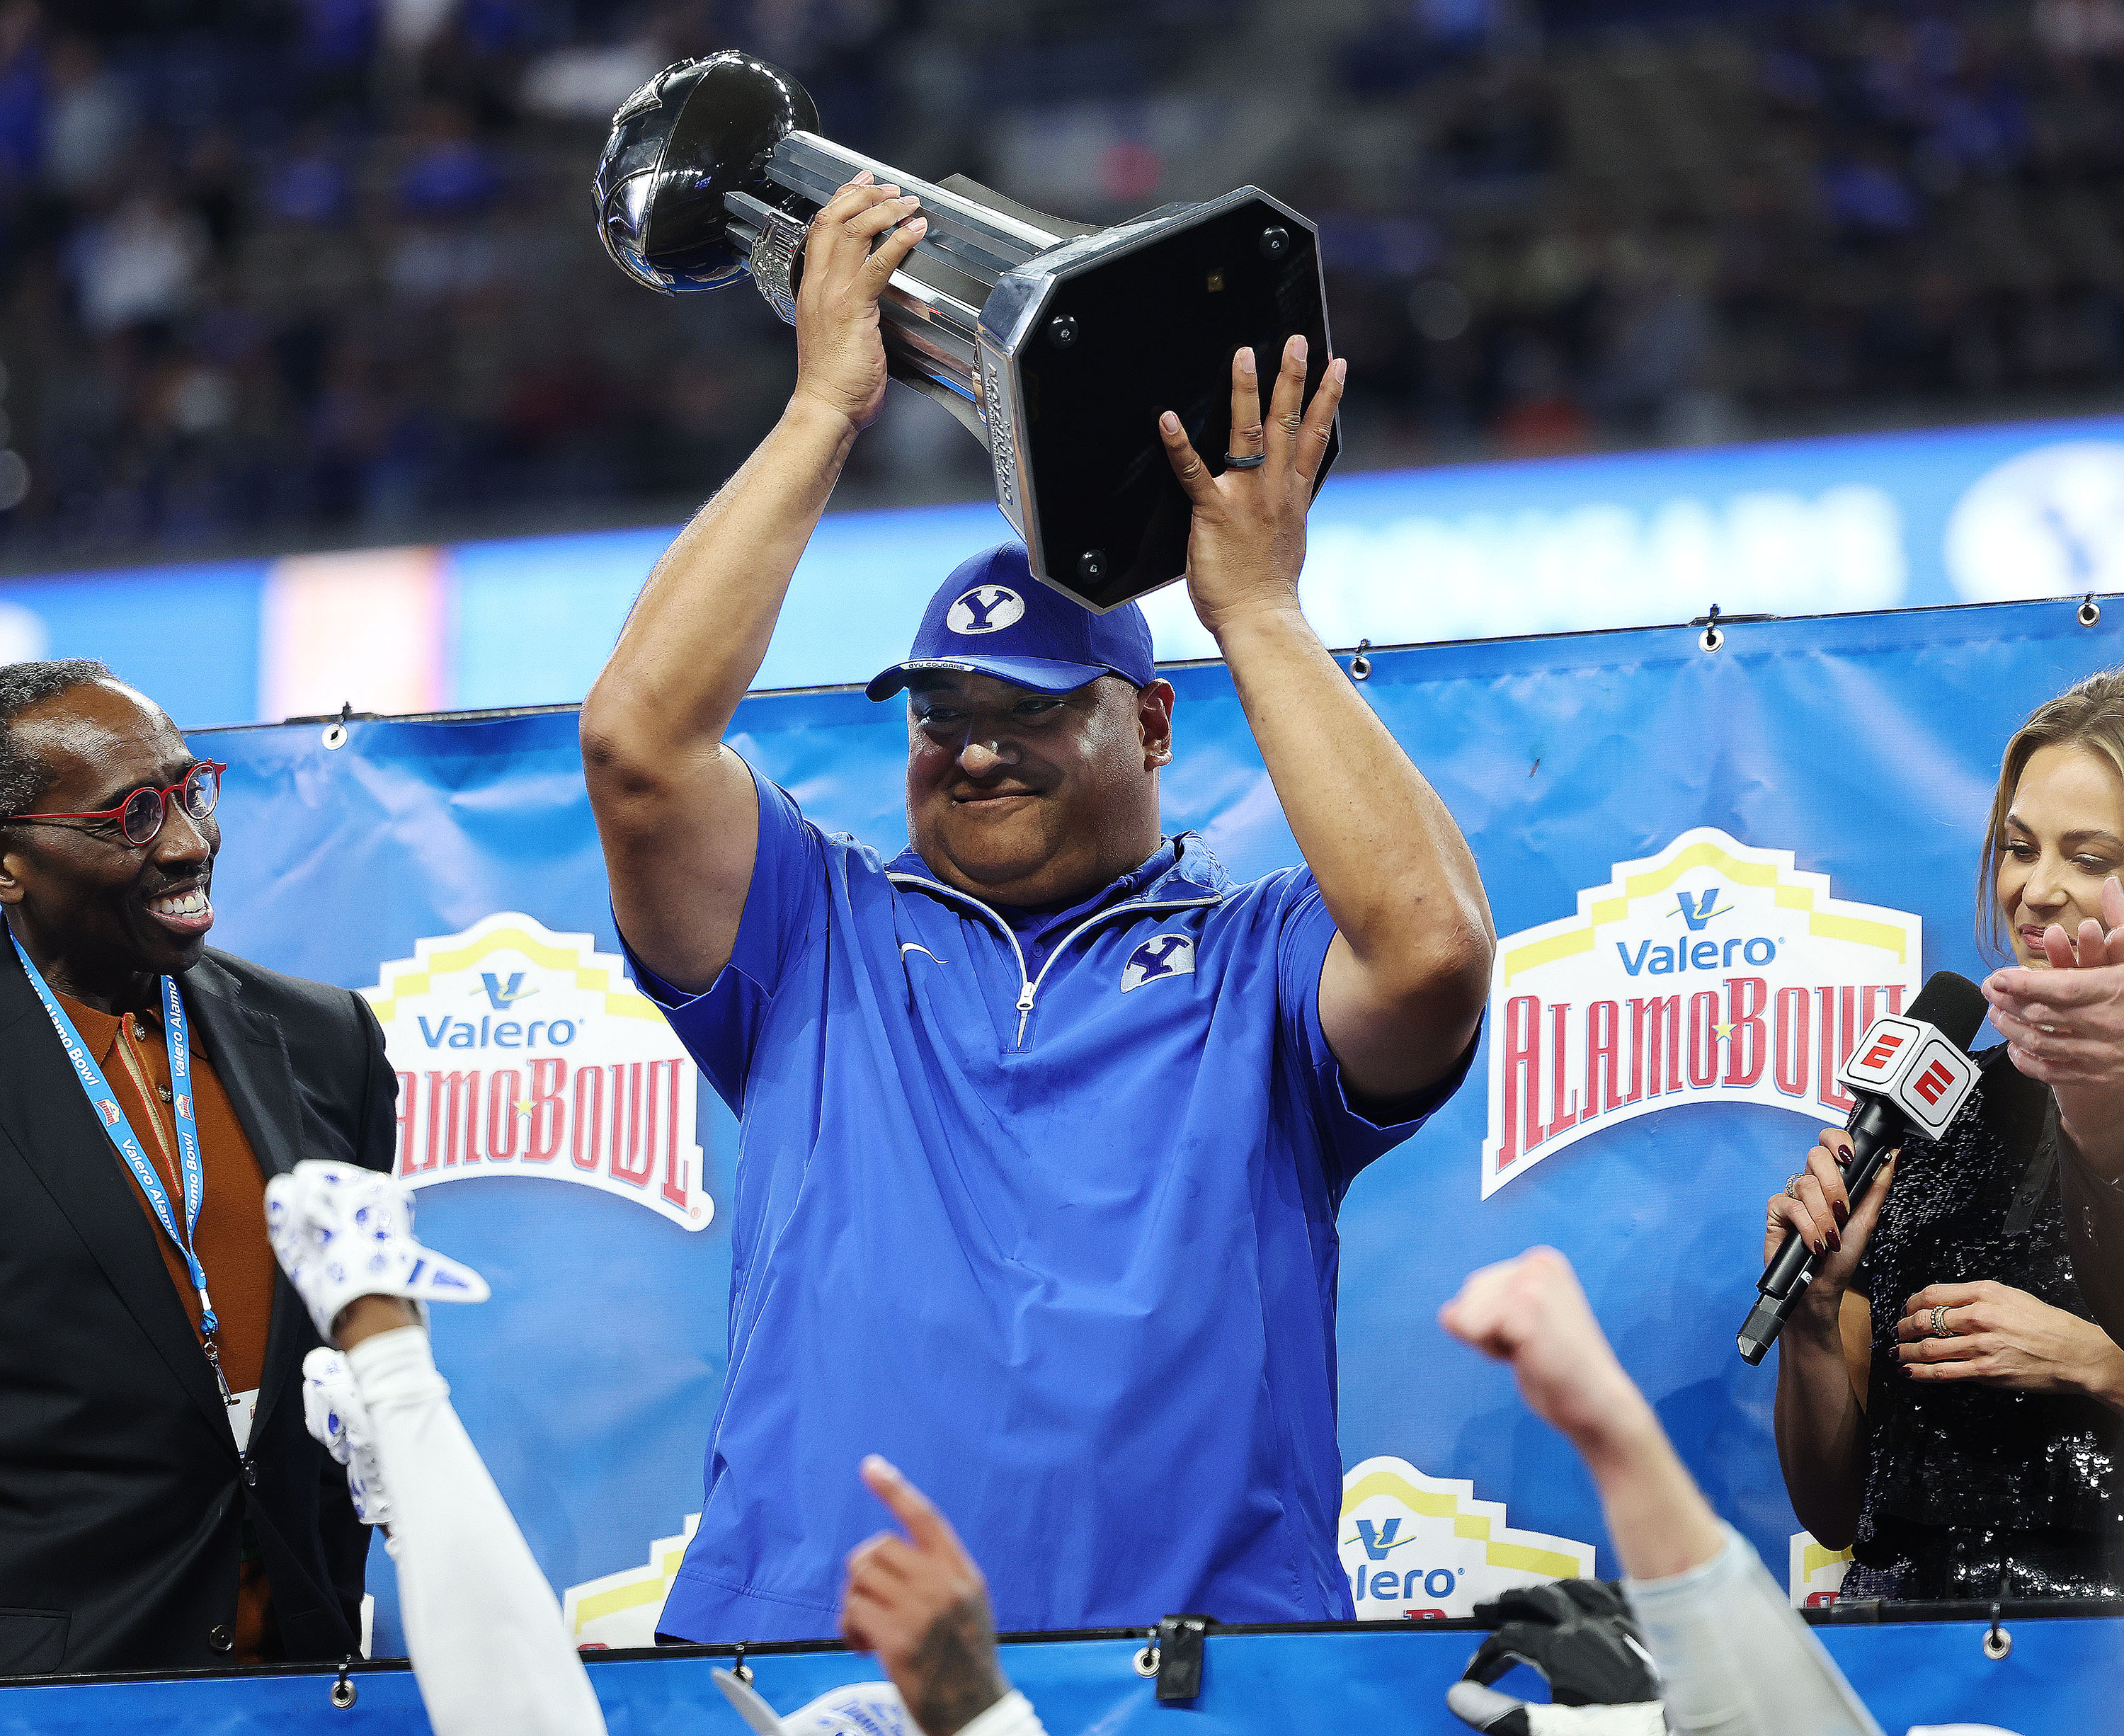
(2090, 715)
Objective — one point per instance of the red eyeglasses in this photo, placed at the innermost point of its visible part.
(139, 815)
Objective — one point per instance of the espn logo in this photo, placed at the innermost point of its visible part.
(1915, 1067)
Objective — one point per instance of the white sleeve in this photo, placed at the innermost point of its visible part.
(1736, 1657)
(481, 1627)
(1011, 1715)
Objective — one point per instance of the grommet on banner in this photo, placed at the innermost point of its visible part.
(2090, 611)
(1997, 1641)
(335, 733)
(1360, 666)
(1146, 1660)
(1713, 637)
(344, 1693)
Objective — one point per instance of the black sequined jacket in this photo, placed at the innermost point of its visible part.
(2001, 1197)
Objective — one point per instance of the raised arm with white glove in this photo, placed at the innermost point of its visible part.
(483, 1627)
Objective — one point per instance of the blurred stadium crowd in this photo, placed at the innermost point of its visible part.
(300, 272)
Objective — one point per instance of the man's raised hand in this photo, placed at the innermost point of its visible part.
(1246, 543)
(920, 1603)
(840, 352)
(1531, 1313)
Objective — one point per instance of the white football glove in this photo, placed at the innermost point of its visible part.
(861, 1709)
(340, 1232)
(338, 1421)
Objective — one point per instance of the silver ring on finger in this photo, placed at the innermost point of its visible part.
(1940, 1329)
(1245, 461)
(1791, 1187)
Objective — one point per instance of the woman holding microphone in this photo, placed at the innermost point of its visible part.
(1951, 1392)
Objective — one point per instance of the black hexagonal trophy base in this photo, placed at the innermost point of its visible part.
(1143, 325)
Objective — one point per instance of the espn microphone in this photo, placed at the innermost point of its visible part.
(1911, 1076)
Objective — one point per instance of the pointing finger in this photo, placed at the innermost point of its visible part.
(929, 1529)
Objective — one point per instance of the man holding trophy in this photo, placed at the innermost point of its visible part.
(1044, 1123)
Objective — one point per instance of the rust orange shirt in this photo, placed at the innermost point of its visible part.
(230, 1238)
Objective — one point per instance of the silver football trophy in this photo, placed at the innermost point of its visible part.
(1057, 345)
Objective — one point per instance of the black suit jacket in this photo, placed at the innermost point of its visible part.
(122, 1497)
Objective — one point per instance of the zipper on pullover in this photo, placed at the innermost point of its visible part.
(1029, 985)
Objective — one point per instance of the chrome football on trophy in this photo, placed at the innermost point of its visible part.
(1056, 344)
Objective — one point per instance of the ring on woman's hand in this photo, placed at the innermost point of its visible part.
(1940, 1329)
(1236, 461)
(1791, 1187)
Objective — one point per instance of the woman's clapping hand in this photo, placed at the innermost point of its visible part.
(2065, 1026)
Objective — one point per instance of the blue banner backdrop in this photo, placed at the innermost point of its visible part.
(1865, 746)
(2060, 1677)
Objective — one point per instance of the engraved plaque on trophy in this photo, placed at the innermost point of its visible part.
(1056, 344)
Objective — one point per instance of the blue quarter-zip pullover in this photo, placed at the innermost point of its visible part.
(1059, 1241)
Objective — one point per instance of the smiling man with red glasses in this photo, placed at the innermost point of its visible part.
(165, 1506)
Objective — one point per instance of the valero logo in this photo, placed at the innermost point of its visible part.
(1712, 972)
(1416, 1548)
(520, 1051)
(620, 1610)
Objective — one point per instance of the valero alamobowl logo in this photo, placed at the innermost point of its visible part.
(520, 1051)
(1712, 972)
(620, 1610)
(1816, 1577)
(1416, 1547)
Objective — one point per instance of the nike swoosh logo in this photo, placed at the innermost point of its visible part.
(908, 946)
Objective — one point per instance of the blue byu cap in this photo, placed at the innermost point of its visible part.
(992, 617)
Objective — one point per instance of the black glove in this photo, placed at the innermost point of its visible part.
(1578, 1633)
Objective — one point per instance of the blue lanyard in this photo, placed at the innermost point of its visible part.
(120, 1130)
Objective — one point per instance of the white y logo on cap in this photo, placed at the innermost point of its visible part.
(984, 609)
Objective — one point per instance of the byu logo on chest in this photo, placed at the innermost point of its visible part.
(1159, 957)
(984, 609)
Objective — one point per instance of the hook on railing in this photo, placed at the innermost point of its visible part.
(1146, 1660)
